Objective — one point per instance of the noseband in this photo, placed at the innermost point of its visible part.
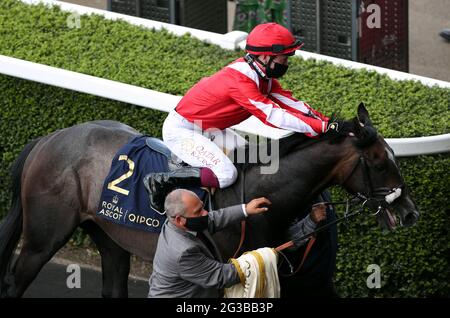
(376, 199)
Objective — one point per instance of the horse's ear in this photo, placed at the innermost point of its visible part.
(366, 135)
(357, 128)
(363, 115)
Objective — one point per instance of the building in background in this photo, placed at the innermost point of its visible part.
(98, 4)
(429, 53)
(250, 13)
(209, 15)
(369, 31)
(397, 34)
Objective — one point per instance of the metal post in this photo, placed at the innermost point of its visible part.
(288, 14)
(172, 12)
(355, 29)
(138, 8)
(318, 26)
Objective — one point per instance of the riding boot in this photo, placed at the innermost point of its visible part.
(160, 184)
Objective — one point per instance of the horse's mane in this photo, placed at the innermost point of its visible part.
(297, 141)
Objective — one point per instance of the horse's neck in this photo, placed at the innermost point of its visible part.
(301, 176)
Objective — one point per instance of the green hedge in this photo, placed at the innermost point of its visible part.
(414, 262)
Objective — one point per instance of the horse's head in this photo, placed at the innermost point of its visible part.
(372, 172)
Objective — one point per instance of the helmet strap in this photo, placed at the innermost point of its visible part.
(266, 65)
(251, 60)
(272, 57)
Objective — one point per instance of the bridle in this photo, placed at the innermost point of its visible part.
(376, 199)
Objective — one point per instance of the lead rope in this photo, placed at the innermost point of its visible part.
(312, 236)
(241, 242)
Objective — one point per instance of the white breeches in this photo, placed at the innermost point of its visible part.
(200, 148)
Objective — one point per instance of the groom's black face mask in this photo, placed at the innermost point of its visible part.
(197, 224)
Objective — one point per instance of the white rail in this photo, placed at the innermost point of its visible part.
(405, 147)
(87, 84)
(165, 102)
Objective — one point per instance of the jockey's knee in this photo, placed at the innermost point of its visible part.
(229, 178)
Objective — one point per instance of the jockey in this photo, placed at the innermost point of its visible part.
(197, 129)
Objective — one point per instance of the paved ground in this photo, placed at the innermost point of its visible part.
(52, 282)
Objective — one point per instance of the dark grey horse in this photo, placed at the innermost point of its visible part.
(57, 180)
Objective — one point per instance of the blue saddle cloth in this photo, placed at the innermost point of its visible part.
(124, 199)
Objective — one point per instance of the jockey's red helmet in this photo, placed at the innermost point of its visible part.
(271, 39)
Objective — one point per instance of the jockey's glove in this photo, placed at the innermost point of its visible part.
(339, 127)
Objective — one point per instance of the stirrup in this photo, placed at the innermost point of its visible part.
(155, 204)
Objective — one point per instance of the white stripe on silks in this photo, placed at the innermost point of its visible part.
(245, 69)
(292, 103)
(281, 118)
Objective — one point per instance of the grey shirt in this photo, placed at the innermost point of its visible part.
(184, 267)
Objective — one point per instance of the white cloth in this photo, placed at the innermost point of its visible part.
(259, 269)
(200, 148)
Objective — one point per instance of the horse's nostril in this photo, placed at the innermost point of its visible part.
(411, 218)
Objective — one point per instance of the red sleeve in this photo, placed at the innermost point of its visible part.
(285, 99)
(246, 94)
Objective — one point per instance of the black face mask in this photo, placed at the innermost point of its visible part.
(277, 71)
(197, 224)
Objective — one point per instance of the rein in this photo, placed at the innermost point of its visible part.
(312, 235)
(241, 241)
(243, 223)
(375, 199)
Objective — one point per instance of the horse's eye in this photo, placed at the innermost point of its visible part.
(380, 167)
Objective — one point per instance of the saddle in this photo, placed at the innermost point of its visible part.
(175, 163)
(159, 146)
(123, 199)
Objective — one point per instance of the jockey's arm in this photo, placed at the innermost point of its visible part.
(269, 112)
(285, 99)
